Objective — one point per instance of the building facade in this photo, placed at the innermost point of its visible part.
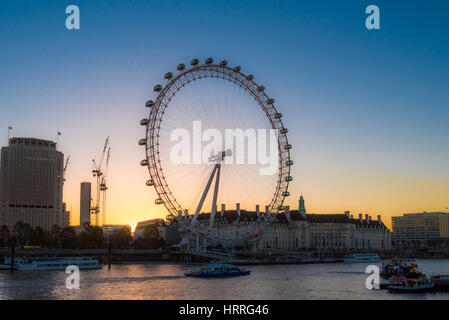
(65, 216)
(109, 229)
(141, 225)
(419, 229)
(167, 231)
(85, 201)
(296, 230)
(31, 182)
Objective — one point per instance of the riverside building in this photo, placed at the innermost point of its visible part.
(31, 180)
(297, 230)
(419, 229)
(167, 230)
(110, 229)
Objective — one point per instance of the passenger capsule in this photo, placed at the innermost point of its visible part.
(280, 208)
(284, 130)
(249, 77)
(278, 115)
(288, 146)
(237, 69)
(144, 122)
(181, 67)
(223, 63)
(142, 142)
(170, 217)
(194, 62)
(270, 101)
(285, 194)
(261, 88)
(157, 88)
(168, 76)
(150, 183)
(289, 162)
(144, 162)
(149, 103)
(209, 60)
(289, 178)
(158, 201)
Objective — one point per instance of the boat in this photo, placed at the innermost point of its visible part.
(57, 263)
(6, 265)
(218, 270)
(402, 284)
(384, 283)
(361, 257)
(401, 267)
(441, 281)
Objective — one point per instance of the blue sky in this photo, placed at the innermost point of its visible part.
(368, 111)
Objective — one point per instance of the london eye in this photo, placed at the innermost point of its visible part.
(205, 101)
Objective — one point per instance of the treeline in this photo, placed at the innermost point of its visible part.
(90, 237)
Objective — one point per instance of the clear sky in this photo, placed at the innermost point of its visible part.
(367, 110)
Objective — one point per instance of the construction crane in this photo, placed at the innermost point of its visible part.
(65, 168)
(98, 173)
(104, 187)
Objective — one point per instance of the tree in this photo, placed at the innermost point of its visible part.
(4, 236)
(68, 238)
(23, 232)
(37, 236)
(96, 237)
(91, 237)
(151, 238)
(151, 232)
(121, 238)
(55, 236)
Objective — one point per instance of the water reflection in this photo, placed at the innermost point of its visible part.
(157, 281)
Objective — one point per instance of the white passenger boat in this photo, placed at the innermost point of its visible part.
(57, 263)
(6, 265)
(361, 257)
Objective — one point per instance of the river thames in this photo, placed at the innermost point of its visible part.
(167, 281)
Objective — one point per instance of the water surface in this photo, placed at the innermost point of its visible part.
(167, 281)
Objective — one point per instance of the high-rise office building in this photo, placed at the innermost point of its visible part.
(85, 198)
(31, 183)
(418, 229)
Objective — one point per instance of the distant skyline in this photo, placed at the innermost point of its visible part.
(367, 111)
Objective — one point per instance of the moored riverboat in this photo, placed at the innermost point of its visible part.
(400, 267)
(441, 281)
(403, 284)
(6, 265)
(56, 263)
(361, 257)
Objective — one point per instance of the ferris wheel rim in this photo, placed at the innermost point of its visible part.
(247, 83)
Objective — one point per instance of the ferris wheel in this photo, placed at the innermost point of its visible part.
(214, 96)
